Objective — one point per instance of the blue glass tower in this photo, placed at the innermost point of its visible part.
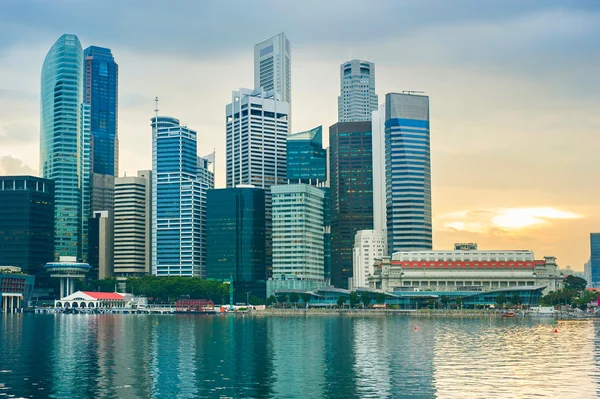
(62, 141)
(306, 157)
(407, 172)
(180, 180)
(595, 259)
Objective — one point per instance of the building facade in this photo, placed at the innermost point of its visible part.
(595, 260)
(379, 182)
(133, 225)
(465, 271)
(306, 157)
(62, 141)
(408, 172)
(357, 98)
(26, 223)
(101, 244)
(369, 245)
(351, 183)
(273, 67)
(297, 235)
(178, 200)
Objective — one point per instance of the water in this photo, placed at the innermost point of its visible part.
(172, 356)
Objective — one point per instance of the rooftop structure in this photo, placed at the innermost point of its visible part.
(67, 269)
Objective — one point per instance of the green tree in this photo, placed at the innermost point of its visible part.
(255, 301)
(341, 301)
(459, 302)
(501, 301)
(575, 283)
(354, 299)
(282, 298)
(444, 299)
(380, 297)
(516, 299)
(306, 298)
(271, 300)
(365, 298)
(294, 298)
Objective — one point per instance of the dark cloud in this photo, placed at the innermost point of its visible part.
(14, 166)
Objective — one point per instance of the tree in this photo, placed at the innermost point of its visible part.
(354, 299)
(444, 299)
(516, 299)
(341, 301)
(255, 301)
(306, 298)
(501, 300)
(282, 298)
(365, 298)
(271, 300)
(380, 297)
(294, 298)
(575, 283)
(459, 302)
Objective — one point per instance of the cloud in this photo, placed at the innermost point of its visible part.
(502, 219)
(16, 133)
(14, 166)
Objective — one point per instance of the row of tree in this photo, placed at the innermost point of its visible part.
(573, 293)
(354, 299)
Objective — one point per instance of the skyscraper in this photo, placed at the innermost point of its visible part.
(101, 245)
(379, 191)
(595, 260)
(306, 157)
(178, 200)
(133, 225)
(101, 80)
(272, 67)
(351, 185)
(408, 172)
(357, 84)
(62, 141)
(26, 223)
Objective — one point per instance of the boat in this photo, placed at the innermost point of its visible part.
(508, 314)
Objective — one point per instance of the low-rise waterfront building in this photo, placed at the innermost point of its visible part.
(15, 288)
(368, 246)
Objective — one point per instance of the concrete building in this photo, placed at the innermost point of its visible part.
(379, 186)
(368, 246)
(297, 236)
(407, 172)
(16, 289)
(273, 67)
(595, 260)
(465, 271)
(357, 85)
(101, 244)
(133, 225)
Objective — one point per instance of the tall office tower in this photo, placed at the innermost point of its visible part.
(257, 128)
(306, 157)
(100, 84)
(101, 245)
(205, 180)
(26, 223)
(351, 166)
(85, 151)
(272, 67)
(595, 260)
(61, 140)
(357, 99)
(379, 190)
(133, 225)
(235, 238)
(368, 245)
(178, 201)
(327, 231)
(407, 172)
(297, 237)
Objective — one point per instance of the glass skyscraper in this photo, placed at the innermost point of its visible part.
(595, 260)
(178, 200)
(351, 183)
(306, 157)
(357, 86)
(62, 141)
(407, 172)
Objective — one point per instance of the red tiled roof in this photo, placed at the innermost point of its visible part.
(104, 295)
(468, 265)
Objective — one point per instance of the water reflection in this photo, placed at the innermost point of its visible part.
(120, 356)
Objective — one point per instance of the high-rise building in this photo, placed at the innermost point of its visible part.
(595, 260)
(408, 172)
(100, 84)
(26, 223)
(62, 141)
(368, 246)
(357, 85)
(351, 177)
(101, 244)
(235, 238)
(306, 157)
(133, 225)
(327, 231)
(273, 67)
(379, 191)
(178, 200)
(257, 128)
(297, 237)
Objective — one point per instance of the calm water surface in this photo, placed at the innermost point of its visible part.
(172, 356)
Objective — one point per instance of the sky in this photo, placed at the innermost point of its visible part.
(514, 92)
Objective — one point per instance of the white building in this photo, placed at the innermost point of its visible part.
(297, 236)
(273, 67)
(257, 127)
(368, 246)
(465, 270)
(133, 225)
(357, 85)
(378, 145)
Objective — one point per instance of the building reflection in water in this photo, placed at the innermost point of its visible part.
(372, 365)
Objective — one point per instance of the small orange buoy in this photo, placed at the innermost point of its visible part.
(555, 330)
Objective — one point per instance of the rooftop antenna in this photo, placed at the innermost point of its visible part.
(412, 92)
(214, 159)
(156, 108)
